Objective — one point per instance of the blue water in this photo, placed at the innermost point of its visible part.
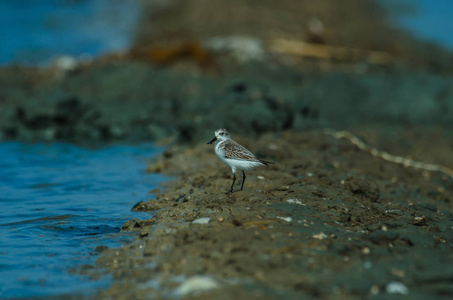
(36, 31)
(431, 20)
(58, 203)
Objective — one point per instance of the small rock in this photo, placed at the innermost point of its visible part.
(366, 250)
(197, 284)
(143, 206)
(287, 219)
(374, 290)
(145, 231)
(383, 237)
(100, 248)
(236, 222)
(201, 221)
(396, 288)
(362, 187)
(130, 225)
(420, 221)
(427, 206)
(243, 48)
(320, 236)
(295, 201)
(65, 63)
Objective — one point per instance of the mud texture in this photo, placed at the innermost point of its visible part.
(135, 101)
(327, 220)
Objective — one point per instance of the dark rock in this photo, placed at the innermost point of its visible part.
(363, 188)
(428, 206)
(415, 238)
(101, 248)
(141, 206)
(239, 88)
(382, 237)
(131, 225)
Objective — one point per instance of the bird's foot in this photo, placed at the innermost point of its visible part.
(230, 191)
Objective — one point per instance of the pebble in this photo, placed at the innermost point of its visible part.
(201, 221)
(396, 288)
(295, 201)
(320, 236)
(197, 284)
(287, 219)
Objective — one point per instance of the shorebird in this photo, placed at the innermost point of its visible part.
(234, 155)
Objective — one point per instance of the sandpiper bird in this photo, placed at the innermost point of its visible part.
(234, 155)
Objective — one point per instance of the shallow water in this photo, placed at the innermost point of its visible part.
(36, 31)
(59, 202)
(429, 20)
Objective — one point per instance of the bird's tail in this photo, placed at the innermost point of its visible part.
(266, 163)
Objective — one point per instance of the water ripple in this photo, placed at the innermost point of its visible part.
(59, 202)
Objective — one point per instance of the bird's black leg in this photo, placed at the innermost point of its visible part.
(243, 179)
(232, 185)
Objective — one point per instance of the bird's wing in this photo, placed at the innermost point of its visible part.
(236, 151)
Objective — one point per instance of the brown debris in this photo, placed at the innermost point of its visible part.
(331, 52)
(165, 54)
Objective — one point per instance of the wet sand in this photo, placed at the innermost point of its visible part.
(327, 220)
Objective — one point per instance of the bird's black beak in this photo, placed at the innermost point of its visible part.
(212, 141)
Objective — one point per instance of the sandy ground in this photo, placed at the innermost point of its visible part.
(327, 220)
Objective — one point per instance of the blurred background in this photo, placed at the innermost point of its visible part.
(298, 64)
(37, 32)
(96, 72)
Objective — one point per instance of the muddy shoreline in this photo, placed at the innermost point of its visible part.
(327, 220)
(330, 219)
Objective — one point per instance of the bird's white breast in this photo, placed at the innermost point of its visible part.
(220, 151)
